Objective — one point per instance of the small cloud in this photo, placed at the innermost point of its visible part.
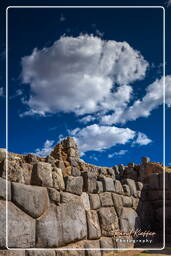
(99, 33)
(142, 139)
(62, 18)
(46, 149)
(18, 93)
(119, 153)
(1, 92)
(93, 157)
(168, 3)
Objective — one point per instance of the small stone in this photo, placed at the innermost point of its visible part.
(54, 195)
(106, 199)
(118, 187)
(94, 201)
(67, 197)
(85, 201)
(42, 175)
(99, 186)
(75, 171)
(57, 177)
(118, 203)
(74, 185)
(31, 158)
(127, 201)
(108, 184)
(32, 199)
(3, 189)
(108, 221)
(94, 231)
(126, 190)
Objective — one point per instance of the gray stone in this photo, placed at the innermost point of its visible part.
(94, 201)
(126, 190)
(106, 242)
(129, 220)
(117, 173)
(145, 160)
(3, 189)
(106, 199)
(57, 177)
(121, 169)
(139, 185)
(93, 245)
(132, 186)
(108, 184)
(75, 171)
(123, 242)
(21, 227)
(54, 195)
(31, 158)
(67, 197)
(118, 187)
(135, 202)
(94, 231)
(118, 203)
(42, 174)
(12, 253)
(74, 185)
(32, 199)
(99, 187)
(108, 221)
(85, 201)
(60, 164)
(89, 182)
(41, 253)
(127, 201)
(111, 172)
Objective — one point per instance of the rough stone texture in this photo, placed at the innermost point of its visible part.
(153, 181)
(85, 201)
(67, 197)
(57, 177)
(129, 220)
(118, 187)
(145, 160)
(74, 185)
(108, 185)
(108, 221)
(3, 189)
(2, 154)
(94, 201)
(41, 253)
(107, 242)
(89, 182)
(32, 199)
(21, 227)
(118, 203)
(127, 201)
(123, 242)
(139, 186)
(54, 195)
(75, 171)
(42, 175)
(126, 190)
(99, 187)
(12, 253)
(62, 225)
(106, 199)
(94, 231)
(95, 244)
(132, 186)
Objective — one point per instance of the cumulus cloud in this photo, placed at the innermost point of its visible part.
(119, 153)
(83, 74)
(142, 139)
(46, 149)
(142, 108)
(99, 138)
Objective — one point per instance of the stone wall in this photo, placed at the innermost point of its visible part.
(61, 202)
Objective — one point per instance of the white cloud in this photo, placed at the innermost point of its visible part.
(62, 18)
(1, 92)
(142, 108)
(83, 75)
(98, 138)
(119, 153)
(168, 3)
(46, 149)
(142, 139)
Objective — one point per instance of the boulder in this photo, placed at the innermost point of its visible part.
(108, 221)
(132, 186)
(108, 184)
(99, 186)
(3, 189)
(129, 220)
(57, 177)
(118, 203)
(139, 186)
(106, 242)
(94, 201)
(89, 179)
(32, 199)
(54, 195)
(111, 172)
(31, 158)
(106, 199)
(74, 185)
(118, 187)
(75, 171)
(93, 245)
(94, 231)
(42, 174)
(21, 227)
(67, 197)
(127, 201)
(85, 201)
(126, 190)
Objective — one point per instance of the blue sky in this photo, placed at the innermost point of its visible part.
(95, 74)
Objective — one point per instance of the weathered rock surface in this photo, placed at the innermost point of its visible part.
(32, 199)
(108, 185)
(57, 177)
(94, 201)
(85, 201)
(106, 199)
(42, 175)
(94, 231)
(74, 185)
(129, 220)
(3, 189)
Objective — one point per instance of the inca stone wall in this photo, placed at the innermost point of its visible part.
(61, 202)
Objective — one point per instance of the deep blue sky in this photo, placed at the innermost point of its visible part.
(30, 28)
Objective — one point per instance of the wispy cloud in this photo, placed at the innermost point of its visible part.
(62, 18)
(46, 149)
(1, 92)
(119, 153)
(142, 139)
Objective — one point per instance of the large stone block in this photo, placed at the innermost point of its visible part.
(62, 225)
(58, 181)
(54, 195)
(153, 181)
(12, 253)
(108, 184)
(123, 242)
(126, 190)
(129, 220)
(85, 201)
(89, 182)
(67, 197)
(94, 201)
(75, 171)
(21, 227)
(118, 203)
(99, 187)
(108, 221)
(93, 245)
(32, 199)
(118, 187)
(94, 231)
(127, 201)
(41, 253)
(106, 199)
(74, 185)
(3, 189)
(132, 186)
(42, 174)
